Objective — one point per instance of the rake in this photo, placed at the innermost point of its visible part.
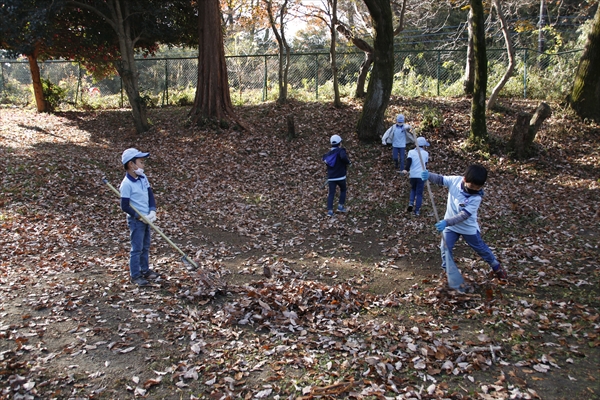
(185, 259)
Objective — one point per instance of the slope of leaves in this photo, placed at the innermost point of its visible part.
(288, 302)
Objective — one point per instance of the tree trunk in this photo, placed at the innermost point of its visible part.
(366, 64)
(585, 95)
(120, 21)
(284, 48)
(525, 129)
(510, 52)
(478, 132)
(34, 68)
(469, 81)
(370, 126)
(212, 100)
(332, 52)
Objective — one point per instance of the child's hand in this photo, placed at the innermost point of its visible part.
(441, 225)
(404, 172)
(151, 216)
(425, 175)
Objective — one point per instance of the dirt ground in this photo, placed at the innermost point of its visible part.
(287, 302)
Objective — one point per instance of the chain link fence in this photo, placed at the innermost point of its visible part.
(254, 78)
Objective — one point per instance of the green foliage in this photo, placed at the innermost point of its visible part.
(53, 94)
(432, 118)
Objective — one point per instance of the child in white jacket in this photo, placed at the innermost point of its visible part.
(398, 135)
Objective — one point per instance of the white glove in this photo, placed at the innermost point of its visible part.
(151, 216)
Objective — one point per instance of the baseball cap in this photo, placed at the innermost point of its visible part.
(132, 153)
(335, 139)
(421, 142)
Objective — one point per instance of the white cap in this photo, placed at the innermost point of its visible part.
(400, 119)
(132, 153)
(335, 139)
(421, 142)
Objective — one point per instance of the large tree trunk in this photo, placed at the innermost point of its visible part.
(38, 92)
(478, 132)
(370, 126)
(212, 100)
(469, 80)
(510, 52)
(585, 95)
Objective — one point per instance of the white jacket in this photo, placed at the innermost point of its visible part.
(388, 136)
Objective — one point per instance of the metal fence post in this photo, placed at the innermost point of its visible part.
(166, 92)
(525, 75)
(317, 77)
(265, 81)
(121, 81)
(439, 57)
(1, 77)
(78, 89)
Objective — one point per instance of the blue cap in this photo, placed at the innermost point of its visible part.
(132, 153)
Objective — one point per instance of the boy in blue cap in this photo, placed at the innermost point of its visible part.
(136, 191)
(398, 135)
(337, 162)
(464, 198)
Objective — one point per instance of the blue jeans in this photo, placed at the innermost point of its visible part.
(474, 241)
(140, 247)
(332, 187)
(398, 156)
(416, 192)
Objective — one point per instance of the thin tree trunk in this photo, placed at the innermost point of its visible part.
(212, 100)
(366, 64)
(585, 95)
(284, 48)
(370, 125)
(34, 68)
(510, 52)
(469, 81)
(332, 52)
(120, 21)
(478, 132)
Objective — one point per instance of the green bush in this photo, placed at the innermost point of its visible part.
(53, 94)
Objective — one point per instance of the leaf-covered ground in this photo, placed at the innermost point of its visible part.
(287, 302)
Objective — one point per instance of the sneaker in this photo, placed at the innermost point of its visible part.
(409, 208)
(417, 213)
(342, 209)
(150, 274)
(500, 272)
(140, 281)
(330, 213)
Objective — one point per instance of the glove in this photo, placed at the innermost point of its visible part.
(404, 172)
(441, 225)
(425, 175)
(151, 216)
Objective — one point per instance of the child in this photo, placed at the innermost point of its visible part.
(464, 198)
(337, 163)
(413, 164)
(136, 191)
(398, 135)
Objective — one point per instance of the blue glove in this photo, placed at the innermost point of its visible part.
(441, 225)
(425, 175)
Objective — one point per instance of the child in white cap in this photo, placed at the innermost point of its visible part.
(337, 162)
(398, 135)
(414, 169)
(136, 191)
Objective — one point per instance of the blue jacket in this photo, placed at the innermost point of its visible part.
(338, 171)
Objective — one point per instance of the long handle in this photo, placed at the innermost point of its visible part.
(146, 220)
(435, 213)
